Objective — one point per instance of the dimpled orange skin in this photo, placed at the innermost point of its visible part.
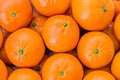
(62, 66)
(99, 75)
(3, 71)
(115, 66)
(24, 74)
(93, 14)
(38, 21)
(15, 14)
(51, 7)
(117, 27)
(25, 48)
(60, 33)
(95, 49)
(1, 38)
(110, 32)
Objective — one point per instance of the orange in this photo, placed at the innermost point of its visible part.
(1, 38)
(93, 14)
(116, 27)
(3, 71)
(60, 33)
(51, 7)
(25, 48)
(24, 74)
(110, 32)
(99, 75)
(95, 49)
(15, 14)
(38, 21)
(115, 66)
(62, 66)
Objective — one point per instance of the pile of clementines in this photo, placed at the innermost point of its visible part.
(59, 39)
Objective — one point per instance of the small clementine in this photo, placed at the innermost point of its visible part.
(24, 74)
(95, 49)
(61, 33)
(15, 14)
(62, 66)
(25, 48)
(99, 75)
(93, 14)
(51, 7)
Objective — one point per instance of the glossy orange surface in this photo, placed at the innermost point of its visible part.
(62, 66)
(60, 33)
(95, 49)
(25, 48)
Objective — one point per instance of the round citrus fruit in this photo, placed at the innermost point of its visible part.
(15, 14)
(60, 33)
(93, 14)
(95, 49)
(24, 74)
(99, 75)
(62, 66)
(51, 7)
(25, 48)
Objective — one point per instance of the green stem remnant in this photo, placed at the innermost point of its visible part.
(13, 14)
(61, 73)
(33, 25)
(37, 69)
(104, 8)
(21, 51)
(65, 24)
(96, 51)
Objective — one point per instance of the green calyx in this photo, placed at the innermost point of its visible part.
(37, 69)
(65, 24)
(104, 8)
(33, 25)
(61, 73)
(21, 51)
(13, 14)
(96, 51)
